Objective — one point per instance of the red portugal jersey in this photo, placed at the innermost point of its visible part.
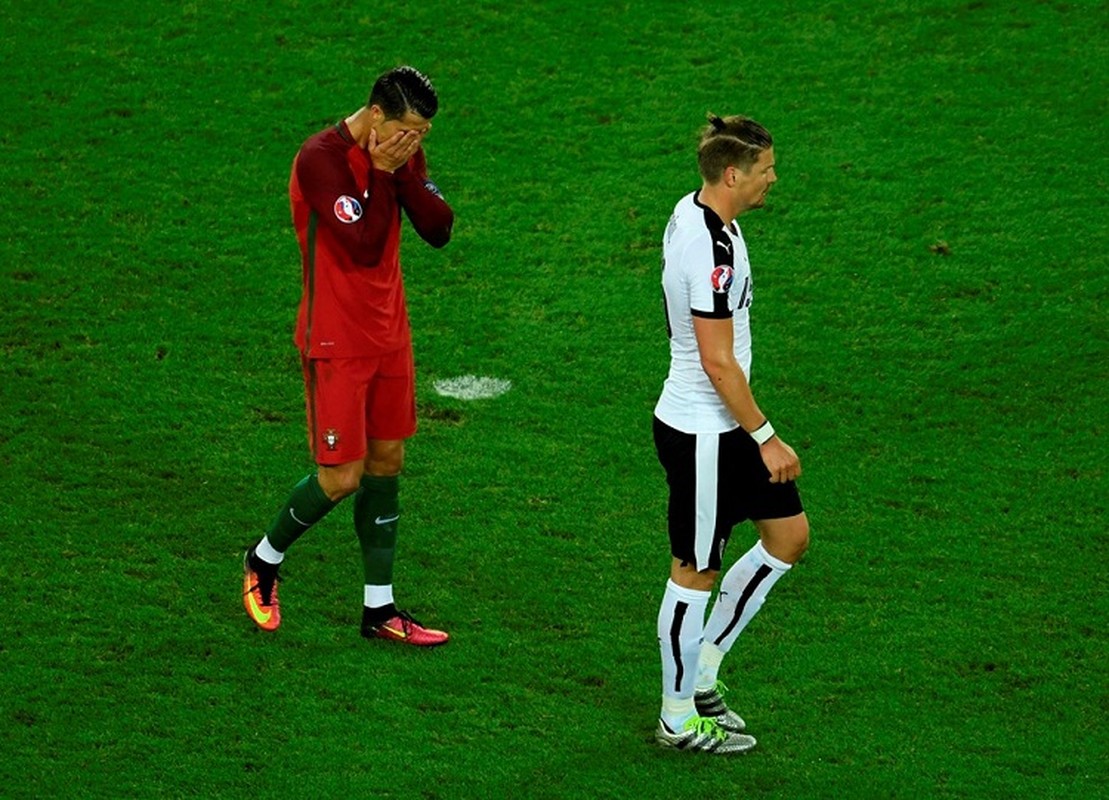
(347, 219)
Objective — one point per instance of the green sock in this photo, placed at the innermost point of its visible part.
(376, 511)
(307, 505)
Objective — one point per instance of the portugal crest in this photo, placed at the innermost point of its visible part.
(331, 439)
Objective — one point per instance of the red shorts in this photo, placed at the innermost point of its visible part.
(351, 400)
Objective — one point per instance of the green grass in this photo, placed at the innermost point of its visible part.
(930, 334)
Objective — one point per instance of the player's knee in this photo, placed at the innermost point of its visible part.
(799, 539)
(386, 467)
(385, 458)
(803, 544)
(339, 482)
(344, 488)
(687, 576)
(786, 540)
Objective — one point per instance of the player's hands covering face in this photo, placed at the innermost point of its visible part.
(395, 151)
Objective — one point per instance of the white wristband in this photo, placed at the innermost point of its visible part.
(763, 434)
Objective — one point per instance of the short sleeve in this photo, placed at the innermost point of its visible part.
(709, 271)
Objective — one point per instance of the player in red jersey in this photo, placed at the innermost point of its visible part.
(348, 187)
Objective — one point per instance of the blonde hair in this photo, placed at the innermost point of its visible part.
(733, 141)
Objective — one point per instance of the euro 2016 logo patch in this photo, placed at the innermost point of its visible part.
(722, 278)
(347, 209)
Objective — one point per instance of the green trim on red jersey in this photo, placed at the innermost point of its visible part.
(313, 423)
(313, 222)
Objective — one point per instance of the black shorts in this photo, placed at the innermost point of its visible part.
(717, 480)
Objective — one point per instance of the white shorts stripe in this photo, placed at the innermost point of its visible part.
(708, 457)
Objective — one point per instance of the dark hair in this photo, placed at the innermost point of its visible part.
(404, 89)
(730, 142)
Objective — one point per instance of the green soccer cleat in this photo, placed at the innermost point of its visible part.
(710, 703)
(704, 735)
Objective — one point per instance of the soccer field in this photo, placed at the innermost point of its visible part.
(930, 335)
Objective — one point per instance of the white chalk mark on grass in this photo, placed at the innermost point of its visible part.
(472, 387)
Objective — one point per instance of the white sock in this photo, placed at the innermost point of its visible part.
(377, 596)
(264, 550)
(681, 622)
(708, 666)
(742, 593)
(676, 711)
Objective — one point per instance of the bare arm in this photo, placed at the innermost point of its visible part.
(715, 343)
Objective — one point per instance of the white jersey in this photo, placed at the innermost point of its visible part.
(705, 273)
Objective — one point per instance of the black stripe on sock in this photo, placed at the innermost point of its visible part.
(675, 641)
(748, 590)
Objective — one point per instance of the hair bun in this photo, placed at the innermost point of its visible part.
(717, 122)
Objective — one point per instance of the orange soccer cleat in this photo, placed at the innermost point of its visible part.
(260, 592)
(403, 628)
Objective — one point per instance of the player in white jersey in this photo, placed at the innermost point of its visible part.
(724, 462)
